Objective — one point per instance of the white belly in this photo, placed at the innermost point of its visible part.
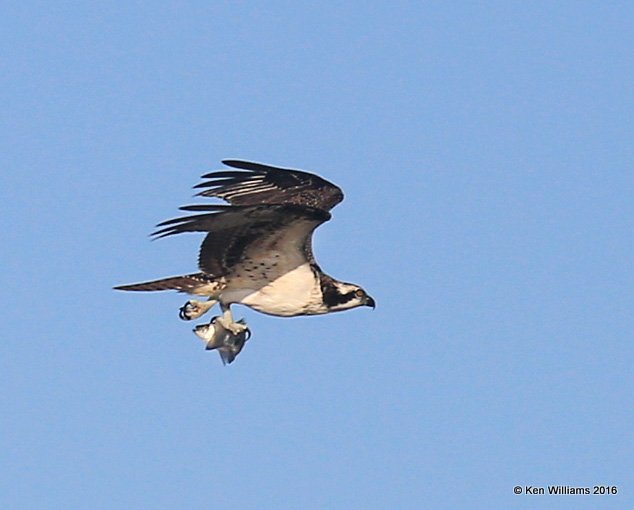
(295, 293)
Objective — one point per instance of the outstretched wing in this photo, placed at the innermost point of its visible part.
(255, 184)
(278, 235)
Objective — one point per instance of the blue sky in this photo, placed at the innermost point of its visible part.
(486, 156)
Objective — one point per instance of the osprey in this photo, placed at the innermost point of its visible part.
(257, 251)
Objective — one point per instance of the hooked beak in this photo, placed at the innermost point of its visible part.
(370, 302)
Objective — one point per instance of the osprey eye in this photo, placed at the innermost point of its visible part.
(359, 293)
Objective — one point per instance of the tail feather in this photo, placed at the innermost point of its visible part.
(187, 283)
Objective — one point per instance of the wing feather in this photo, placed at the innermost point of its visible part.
(256, 184)
(235, 232)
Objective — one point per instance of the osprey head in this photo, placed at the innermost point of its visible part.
(342, 296)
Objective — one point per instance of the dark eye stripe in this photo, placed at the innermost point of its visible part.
(333, 298)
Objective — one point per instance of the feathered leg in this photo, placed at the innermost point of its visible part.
(227, 322)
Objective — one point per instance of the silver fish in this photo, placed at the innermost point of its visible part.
(215, 336)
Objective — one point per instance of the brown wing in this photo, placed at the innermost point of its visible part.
(256, 184)
(235, 232)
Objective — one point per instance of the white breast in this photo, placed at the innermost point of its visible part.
(295, 293)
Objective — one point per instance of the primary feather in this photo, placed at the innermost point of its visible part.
(256, 183)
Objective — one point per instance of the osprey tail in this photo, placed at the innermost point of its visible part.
(198, 283)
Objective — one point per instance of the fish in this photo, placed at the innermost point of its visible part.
(215, 336)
